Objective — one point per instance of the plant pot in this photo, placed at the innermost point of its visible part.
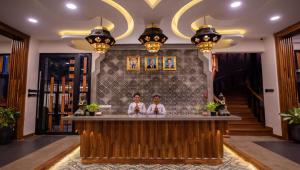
(294, 132)
(6, 134)
(213, 113)
(92, 113)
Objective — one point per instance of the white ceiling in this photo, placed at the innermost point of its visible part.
(253, 16)
(4, 39)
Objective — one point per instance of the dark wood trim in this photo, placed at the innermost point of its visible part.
(18, 61)
(247, 158)
(55, 159)
(286, 68)
(11, 32)
(289, 31)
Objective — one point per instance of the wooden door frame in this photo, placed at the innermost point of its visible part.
(287, 99)
(18, 68)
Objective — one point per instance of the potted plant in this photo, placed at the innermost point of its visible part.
(292, 116)
(201, 109)
(92, 108)
(211, 106)
(8, 118)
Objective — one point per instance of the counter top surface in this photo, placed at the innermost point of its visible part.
(116, 117)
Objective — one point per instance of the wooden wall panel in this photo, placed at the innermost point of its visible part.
(286, 66)
(17, 80)
(149, 142)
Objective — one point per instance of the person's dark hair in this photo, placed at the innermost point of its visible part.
(136, 94)
(169, 59)
(156, 96)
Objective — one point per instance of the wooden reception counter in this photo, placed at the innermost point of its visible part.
(151, 139)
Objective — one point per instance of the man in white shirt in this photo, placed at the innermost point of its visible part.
(136, 107)
(156, 107)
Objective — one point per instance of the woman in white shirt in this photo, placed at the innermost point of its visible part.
(156, 107)
(136, 107)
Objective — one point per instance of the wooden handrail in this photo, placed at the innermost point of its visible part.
(254, 93)
(217, 99)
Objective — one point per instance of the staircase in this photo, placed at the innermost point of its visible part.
(248, 126)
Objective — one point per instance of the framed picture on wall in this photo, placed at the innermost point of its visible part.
(133, 63)
(169, 63)
(151, 63)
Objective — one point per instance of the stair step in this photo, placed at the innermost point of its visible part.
(244, 115)
(246, 126)
(251, 132)
(237, 104)
(239, 110)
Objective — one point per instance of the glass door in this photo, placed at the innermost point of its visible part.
(63, 78)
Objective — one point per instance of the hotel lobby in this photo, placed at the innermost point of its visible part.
(150, 84)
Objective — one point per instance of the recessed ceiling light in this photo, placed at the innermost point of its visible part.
(236, 4)
(33, 20)
(275, 18)
(71, 6)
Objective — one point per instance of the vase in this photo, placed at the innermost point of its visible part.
(294, 132)
(6, 135)
(92, 113)
(213, 113)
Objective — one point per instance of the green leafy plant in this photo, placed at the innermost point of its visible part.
(292, 116)
(211, 106)
(93, 107)
(8, 117)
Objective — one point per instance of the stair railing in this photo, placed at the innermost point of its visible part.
(256, 103)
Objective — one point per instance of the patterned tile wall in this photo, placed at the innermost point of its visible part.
(181, 90)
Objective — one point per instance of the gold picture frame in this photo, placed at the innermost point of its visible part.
(133, 63)
(169, 63)
(151, 63)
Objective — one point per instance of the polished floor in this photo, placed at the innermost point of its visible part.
(287, 149)
(261, 148)
(230, 162)
(19, 149)
(248, 145)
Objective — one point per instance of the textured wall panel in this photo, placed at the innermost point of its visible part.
(181, 90)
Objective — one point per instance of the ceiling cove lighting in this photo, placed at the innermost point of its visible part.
(100, 39)
(178, 15)
(153, 38)
(235, 4)
(127, 16)
(152, 3)
(206, 37)
(275, 18)
(32, 20)
(71, 6)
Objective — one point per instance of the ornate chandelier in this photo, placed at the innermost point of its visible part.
(100, 39)
(206, 37)
(153, 38)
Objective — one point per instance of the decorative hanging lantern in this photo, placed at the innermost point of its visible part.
(206, 37)
(100, 39)
(153, 38)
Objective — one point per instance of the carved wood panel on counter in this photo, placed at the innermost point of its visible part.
(151, 141)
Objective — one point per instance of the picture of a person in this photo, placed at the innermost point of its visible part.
(151, 64)
(133, 63)
(169, 63)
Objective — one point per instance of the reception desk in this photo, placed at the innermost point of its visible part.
(170, 139)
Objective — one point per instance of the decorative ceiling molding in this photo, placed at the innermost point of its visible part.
(226, 33)
(236, 32)
(152, 3)
(177, 16)
(109, 25)
(127, 16)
